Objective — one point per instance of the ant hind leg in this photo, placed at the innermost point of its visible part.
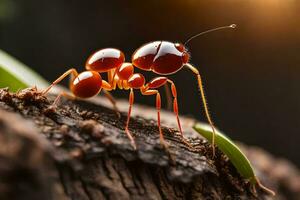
(58, 98)
(59, 79)
(113, 102)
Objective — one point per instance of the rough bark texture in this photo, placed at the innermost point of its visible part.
(79, 151)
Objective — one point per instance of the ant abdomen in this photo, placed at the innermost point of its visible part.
(105, 60)
(86, 84)
(161, 57)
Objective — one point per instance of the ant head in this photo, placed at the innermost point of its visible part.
(185, 54)
(86, 84)
(105, 59)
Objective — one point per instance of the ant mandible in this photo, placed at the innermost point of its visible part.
(161, 57)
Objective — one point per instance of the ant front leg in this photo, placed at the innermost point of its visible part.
(200, 85)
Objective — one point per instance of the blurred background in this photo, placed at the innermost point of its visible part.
(251, 74)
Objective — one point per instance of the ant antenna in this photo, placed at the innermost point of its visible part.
(208, 31)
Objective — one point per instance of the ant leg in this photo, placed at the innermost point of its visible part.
(200, 86)
(70, 71)
(158, 107)
(57, 99)
(109, 76)
(108, 87)
(169, 97)
(175, 109)
(113, 102)
(175, 105)
(131, 100)
(112, 79)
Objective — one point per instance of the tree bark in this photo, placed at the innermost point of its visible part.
(80, 151)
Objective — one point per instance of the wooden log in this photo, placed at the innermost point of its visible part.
(79, 151)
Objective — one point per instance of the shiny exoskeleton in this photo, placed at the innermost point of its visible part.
(160, 57)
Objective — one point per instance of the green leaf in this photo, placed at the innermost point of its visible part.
(227, 146)
(16, 75)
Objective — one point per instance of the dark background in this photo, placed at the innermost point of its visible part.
(251, 74)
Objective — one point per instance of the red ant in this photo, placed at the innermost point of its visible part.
(161, 57)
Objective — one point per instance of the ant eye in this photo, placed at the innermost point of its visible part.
(180, 47)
